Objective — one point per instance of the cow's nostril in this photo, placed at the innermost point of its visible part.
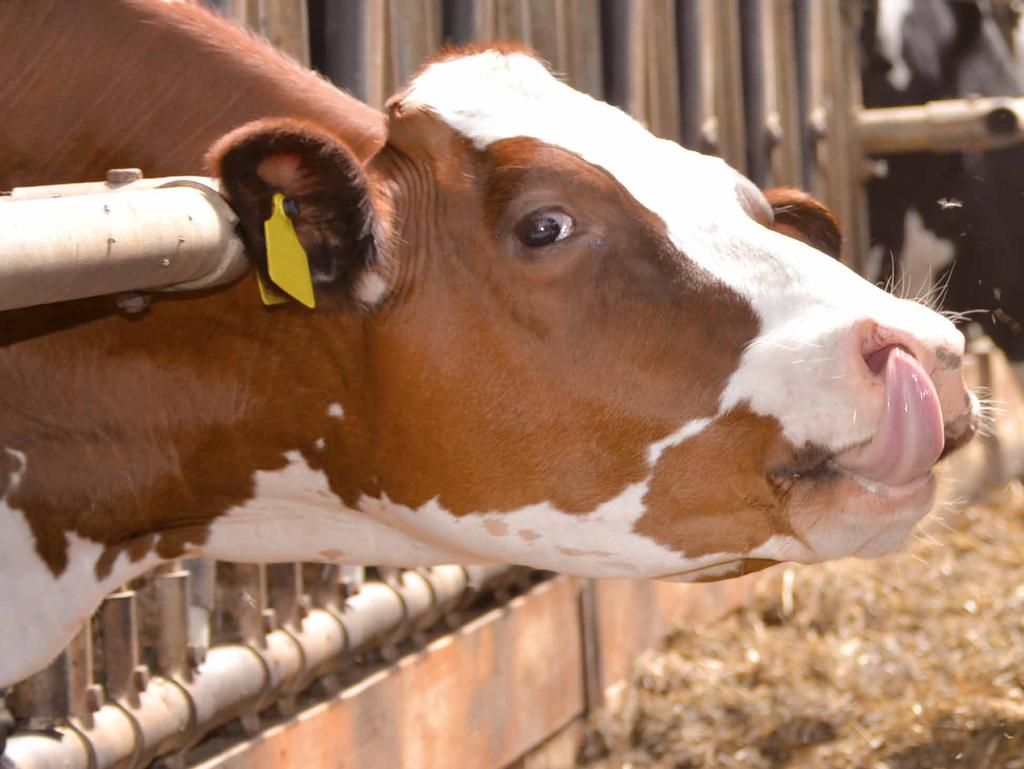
(948, 358)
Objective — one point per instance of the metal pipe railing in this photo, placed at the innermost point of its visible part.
(138, 716)
(64, 242)
(951, 125)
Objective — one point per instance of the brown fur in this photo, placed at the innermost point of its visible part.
(742, 507)
(104, 84)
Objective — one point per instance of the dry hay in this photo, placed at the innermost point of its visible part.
(912, 661)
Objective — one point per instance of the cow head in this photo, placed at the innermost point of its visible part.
(585, 349)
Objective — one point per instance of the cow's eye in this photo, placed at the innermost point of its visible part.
(542, 228)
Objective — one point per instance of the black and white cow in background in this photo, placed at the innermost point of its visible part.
(936, 213)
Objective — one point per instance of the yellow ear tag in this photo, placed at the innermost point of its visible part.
(269, 293)
(287, 261)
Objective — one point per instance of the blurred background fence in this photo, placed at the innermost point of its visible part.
(751, 80)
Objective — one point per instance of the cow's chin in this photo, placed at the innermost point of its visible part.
(836, 515)
(847, 515)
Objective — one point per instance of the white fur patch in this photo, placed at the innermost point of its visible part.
(371, 289)
(889, 32)
(804, 369)
(684, 433)
(294, 516)
(336, 411)
(41, 612)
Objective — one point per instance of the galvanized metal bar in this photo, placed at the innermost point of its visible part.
(172, 655)
(285, 23)
(284, 593)
(512, 19)
(548, 34)
(803, 36)
(414, 35)
(841, 161)
(590, 636)
(160, 715)
(661, 70)
(622, 38)
(461, 20)
(692, 73)
(59, 691)
(159, 234)
(583, 46)
(782, 121)
(752, 59)
(954, 125)
(727, 81)
(118, 619)
(348, 45)
(241, 604)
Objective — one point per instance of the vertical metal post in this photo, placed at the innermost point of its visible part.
(322, 582)
(724, 87)
(414, 28)
(752, 58)
(460, 20)
(692, 73)
(590, 634)
(172, 591)
(547, 32)
(583, 46)
(782, 121)
(241, 613)
(804, 37)
(59, 691)
(348, 45)
(661, 70)
(285, 23)
(118, 622)
(621, 38)
(284, 594)
(845, 158)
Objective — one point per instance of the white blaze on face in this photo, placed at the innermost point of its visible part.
(802, 369)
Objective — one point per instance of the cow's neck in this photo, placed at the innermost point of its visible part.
(208, 427)
(151, 429)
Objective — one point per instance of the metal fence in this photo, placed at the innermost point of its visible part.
(770, 85)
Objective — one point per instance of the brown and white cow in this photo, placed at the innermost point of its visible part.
(543, 336)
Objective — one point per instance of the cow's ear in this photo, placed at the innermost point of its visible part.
(800, 216)
(328, 197)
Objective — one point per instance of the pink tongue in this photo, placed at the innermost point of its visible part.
(910, 437)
